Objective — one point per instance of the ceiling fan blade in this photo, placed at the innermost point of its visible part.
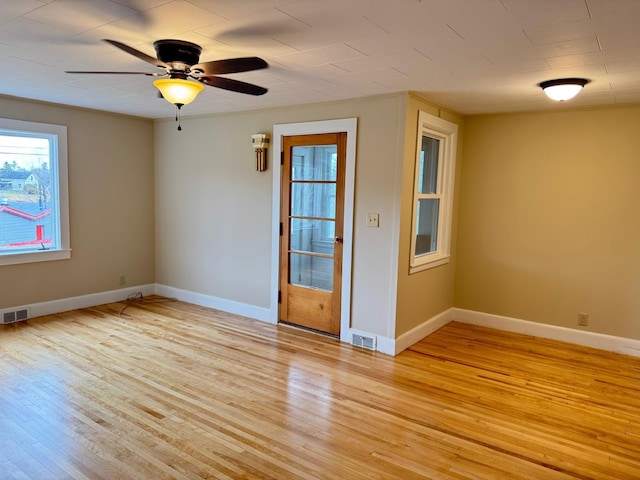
(136, 53)
(231, 65)
(233, 85)
(150, 74)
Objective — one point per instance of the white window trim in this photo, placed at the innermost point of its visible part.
(64, 252)
(447, 133)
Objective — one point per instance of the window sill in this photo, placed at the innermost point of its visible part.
(32, 257)
(436, 262)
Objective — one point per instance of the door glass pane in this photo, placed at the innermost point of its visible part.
(427, 226)
(317, 162)
(312, 236)
(428, 179)
(313, 200)
(313, 195)
(309, 271)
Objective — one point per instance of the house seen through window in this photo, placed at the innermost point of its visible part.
(33, 205)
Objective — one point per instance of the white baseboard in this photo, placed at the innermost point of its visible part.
(229, 306)
(601, 341)
(393, 347)
(386, 345)
(84, 301)
(425, 329)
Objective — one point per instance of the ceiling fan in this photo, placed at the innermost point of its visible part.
(179, 63)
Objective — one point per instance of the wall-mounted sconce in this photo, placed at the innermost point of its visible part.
(260, 142)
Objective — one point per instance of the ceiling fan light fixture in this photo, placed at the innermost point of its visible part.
(562, 89)
(178, 91)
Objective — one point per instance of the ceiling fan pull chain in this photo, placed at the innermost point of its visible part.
(178, 105)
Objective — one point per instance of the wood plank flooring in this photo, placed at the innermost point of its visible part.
(170, 390)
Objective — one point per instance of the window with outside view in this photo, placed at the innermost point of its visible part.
(33, 205)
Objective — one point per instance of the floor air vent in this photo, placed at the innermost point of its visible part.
(13, 316)
(363, 341)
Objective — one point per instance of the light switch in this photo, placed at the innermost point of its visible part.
(373, 219)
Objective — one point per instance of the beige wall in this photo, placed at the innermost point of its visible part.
(214, 211)
(549, 222)
(111, 207)
(427, 293)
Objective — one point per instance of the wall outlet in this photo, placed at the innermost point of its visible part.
(123, 280)
(583, 319)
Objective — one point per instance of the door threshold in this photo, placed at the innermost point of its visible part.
(308, 329)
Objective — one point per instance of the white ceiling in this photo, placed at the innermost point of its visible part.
(472, 56)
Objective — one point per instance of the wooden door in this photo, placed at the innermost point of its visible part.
(312, 212)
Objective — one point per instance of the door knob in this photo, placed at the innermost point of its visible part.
(337, 239)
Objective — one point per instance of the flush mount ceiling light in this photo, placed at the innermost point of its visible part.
(562, 89)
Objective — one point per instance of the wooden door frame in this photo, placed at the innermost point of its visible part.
(348, 125)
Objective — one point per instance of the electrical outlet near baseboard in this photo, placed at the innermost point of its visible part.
(583, 319)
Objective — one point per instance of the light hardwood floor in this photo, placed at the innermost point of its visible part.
(171, 390)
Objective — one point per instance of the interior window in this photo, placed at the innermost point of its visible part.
(433, 192)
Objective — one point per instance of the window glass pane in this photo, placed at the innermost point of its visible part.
(427, 226)
(28, 193)
(312, 236)
(428, 174)
(313, 200)
(314, 163)
(309, 271)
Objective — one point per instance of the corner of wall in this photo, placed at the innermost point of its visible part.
(436, 286)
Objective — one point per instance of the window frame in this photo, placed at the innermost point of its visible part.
(59, 172)
(447, 133)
